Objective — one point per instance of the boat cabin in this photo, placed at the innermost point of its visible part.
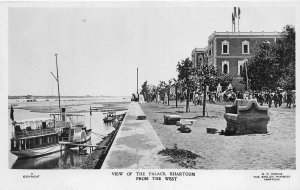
(33, 133)
(68, 124)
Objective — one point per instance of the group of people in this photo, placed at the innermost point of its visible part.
(278, 97)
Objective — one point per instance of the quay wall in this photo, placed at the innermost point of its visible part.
(136, 145)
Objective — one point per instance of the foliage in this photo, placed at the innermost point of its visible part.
(222, 79)
(177, 153)
(183, 157)
(262, 69)
(185, 73)
(162, 89)
(273, 65)
(145, 90)
(185, 76)
(285, 51)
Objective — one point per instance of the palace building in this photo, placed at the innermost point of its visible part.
(228, 51)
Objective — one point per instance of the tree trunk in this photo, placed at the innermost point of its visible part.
(204, 100)
(168, 96)
(176, 95)
(188, 100)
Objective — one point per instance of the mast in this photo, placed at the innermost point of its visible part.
(57, 80)
(137, 82)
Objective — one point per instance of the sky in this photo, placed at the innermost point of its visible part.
(100, 48)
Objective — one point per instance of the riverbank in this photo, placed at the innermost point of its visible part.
(96, 158)
(74, 107)
(275, 150)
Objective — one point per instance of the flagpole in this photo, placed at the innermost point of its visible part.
(239, 24)
(232, 25)
(234, 16)
(90, 117)
(239, 12)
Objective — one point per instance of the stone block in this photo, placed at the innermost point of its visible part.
(171, 119)
(141, 117)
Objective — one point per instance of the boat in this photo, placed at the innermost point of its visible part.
(110, 117)
(43, 136)
(34, 137)
(71, 128)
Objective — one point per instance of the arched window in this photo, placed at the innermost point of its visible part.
(241, 64)
(225, 67)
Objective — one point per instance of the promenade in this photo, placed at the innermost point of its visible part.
(136, 145)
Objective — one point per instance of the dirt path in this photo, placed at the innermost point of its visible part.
(276, 150)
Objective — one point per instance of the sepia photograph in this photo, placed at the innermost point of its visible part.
(149, 93)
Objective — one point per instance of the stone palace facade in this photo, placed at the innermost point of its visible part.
(229, 51)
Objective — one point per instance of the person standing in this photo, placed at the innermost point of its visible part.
(275, 100)
(269, 99)
(289, 99)
(279, 97)
(200, 99)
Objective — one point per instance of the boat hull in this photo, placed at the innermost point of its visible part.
(36, 152)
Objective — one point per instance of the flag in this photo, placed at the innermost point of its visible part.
(233, 19)
(234, 12)
(90, 110)
(12, 113)
(239, 12)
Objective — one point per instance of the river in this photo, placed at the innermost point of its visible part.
(67, 159)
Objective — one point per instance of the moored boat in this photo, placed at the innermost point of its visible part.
(34, 137)
(72, 129)
(110, 117)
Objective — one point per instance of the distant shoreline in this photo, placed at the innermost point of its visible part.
(56, 97)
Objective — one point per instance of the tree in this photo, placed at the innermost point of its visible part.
(185, 71)
(145, 91)
(263, 69)
(285, 55)
(206, 75)
(222, 79)
(161, 89)
(176, 84)
(273, 65)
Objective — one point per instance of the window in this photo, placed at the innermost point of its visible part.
(225, 47)
(210, 50)
(199, 62)
(225, 67)
(245, 47)
(241, 64)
